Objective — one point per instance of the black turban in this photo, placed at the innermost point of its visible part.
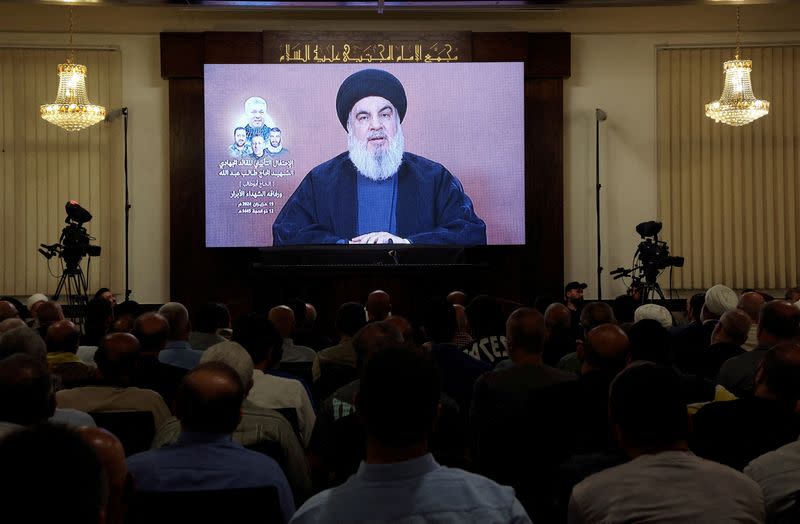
(369, 82)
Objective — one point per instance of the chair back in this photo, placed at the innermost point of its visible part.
(134, 429)
(298, 369)
(290, 414)
(229, 506)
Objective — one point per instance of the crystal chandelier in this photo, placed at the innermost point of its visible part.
(737, 106)
(72, 109)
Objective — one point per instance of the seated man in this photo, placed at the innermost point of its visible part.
(178, 352)
(258, 425)
(664, 481)
(116, 360)
(62, 341)
(349, 319)
(205, 458)
(376, 193)
(400, 481)
(26, 395)
(282, 317)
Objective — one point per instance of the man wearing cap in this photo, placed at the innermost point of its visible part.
(376, 193)
(573, 299)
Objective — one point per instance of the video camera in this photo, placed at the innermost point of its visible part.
(654, 253)
(74, 242)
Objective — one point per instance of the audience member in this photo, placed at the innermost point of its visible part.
(463, 339)
(604, 354)
(779, 322)
(736, 432)
(152, 331)
(751, 303)
(487, 322)
(337, 444)
(573, 299)
(458, 370)
(624, 308)
(212, 317)
(26, 393)
(106, 294)
(654, 312)
(99, 317)
(116, 360)
(399, 479)
(379, 306)
(62, 347)
(457, 298)
(663, 482)
(592, 315)
(690, 344)
(282, 317)
(34, 302)
(523, 417)
(51, 474)
(560, 340)
(205, 457)
(47, 313)
(792, 294)
(7, 310)
(258, 425)
(178, 352)
(726, 342)
(11, 323)
(26, 341)
(349, 319)
(778, 474)
(262, 341)
(112, 457)
(125, 314)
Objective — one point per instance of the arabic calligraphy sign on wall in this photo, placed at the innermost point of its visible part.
(344, 47)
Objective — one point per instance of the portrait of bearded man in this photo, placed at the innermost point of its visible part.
(376, 192)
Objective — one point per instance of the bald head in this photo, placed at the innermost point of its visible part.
(49, 312)
(7, 310)
(524, 333)
(110, 452)
(11, 323)
(733, 328)
(152, 331)
(379, 305)
(63, 336)
(606, 348)
(557, 316)
(116, 358)
(780, 322)
(209, 399)
(282, 317)
(595, 314)
(779, 373)
(751, 303)
(457, 297)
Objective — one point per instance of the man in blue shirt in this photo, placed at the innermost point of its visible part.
(376, 193)
(177, 351)
(205, 457)
(400, 481)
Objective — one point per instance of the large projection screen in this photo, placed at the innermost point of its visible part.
(466, 117)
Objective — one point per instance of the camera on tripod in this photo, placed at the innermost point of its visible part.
(654, 253)
(651, 257)
(74, 243)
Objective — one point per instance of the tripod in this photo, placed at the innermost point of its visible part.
(74, 282)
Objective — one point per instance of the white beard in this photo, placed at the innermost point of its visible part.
(380, 165)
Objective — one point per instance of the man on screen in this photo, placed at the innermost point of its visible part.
(274, 144)
(255, 108)
(259, 150)
(240, 148)
(376, 193)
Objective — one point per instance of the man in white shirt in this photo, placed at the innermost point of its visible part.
(259, 337)
(663, 482)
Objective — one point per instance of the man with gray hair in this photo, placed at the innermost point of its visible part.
(255, 108)
(258, 425)
(376, 192)
(177, 352)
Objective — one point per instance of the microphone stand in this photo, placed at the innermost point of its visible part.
(600, 116)
(110, 118)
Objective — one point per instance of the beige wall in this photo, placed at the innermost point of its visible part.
(613, 64)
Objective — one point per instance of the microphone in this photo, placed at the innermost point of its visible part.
(393, 254)
(113, 115)
(600, 115)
